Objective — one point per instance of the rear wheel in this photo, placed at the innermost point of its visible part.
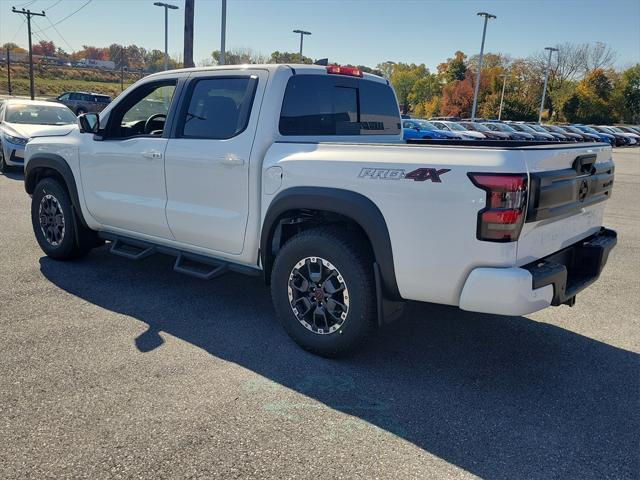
(323, 291)
(55, 226)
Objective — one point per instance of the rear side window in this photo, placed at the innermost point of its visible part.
(333, 105)
(218, 108)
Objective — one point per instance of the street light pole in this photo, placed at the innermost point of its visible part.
(486, 16)
(546, 79)
(302, 34)
(504, 84)
(223, 34)
(166, 30)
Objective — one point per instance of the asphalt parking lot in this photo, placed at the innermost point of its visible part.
(117, 369)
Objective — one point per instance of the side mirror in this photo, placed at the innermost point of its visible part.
(89, 123)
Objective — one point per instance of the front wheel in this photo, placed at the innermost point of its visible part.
(54, 224)
(3, 164)
(323, 290)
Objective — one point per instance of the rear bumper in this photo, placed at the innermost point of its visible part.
(552, 280)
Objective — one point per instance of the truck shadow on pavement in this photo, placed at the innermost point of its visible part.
(500, 397)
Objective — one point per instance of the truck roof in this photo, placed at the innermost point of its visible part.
(271, 67)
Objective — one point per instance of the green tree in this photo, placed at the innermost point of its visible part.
(403, 78)
(454, 68)
(288, 57)
(626, 95)
(425, 88)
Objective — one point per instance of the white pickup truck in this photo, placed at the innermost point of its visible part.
(299, 173)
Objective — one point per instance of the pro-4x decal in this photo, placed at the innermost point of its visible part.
(419, 175)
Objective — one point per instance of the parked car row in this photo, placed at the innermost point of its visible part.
(461, 129)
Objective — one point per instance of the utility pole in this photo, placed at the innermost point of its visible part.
(546, 79)
(504, 84)
(28, 14)
(486, 16)
(166, 7)
(223, 33)
(302, 34)
(9, 70)
(188, 33)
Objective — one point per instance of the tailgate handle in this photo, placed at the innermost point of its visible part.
(585, 164)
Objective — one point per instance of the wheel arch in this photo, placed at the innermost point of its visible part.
(357, 208)
(45, 165)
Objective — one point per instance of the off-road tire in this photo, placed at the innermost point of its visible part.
(76, 240)
(346, 252)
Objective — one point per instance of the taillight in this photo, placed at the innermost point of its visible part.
(338, 70)
(502, 218)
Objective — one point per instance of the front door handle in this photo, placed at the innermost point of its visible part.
(230, 159)
(152, 154)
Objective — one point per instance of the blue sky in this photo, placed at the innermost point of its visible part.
(347, 31)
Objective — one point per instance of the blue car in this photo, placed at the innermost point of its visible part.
(422, 129)
(604, 137)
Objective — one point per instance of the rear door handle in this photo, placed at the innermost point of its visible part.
(152, 154)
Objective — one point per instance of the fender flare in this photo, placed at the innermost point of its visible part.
(350, 204)
(47, 162)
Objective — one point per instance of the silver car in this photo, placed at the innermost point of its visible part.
(20, 119)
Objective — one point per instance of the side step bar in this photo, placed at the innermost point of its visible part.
(188, 266)
(132, 252)
(199, 266)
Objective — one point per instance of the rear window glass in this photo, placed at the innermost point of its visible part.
(334, 105)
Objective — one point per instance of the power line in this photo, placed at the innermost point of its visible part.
(60, 35)
(51, 6)
(68, 16)
(24, 20)
(26, 4)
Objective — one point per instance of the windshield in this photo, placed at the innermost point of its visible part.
(606, 129)
(588, 129)
(571, 129)
(455, 126)
(39, 115)
(475, 126)
(526, 128)
(538, 128)
(505, 128)
(553, 128)
(616, 129)
(426, 126)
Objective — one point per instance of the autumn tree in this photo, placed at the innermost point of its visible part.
(94, 53)
(457, 97)
(589, 104)
(13, 47)
(45, 48)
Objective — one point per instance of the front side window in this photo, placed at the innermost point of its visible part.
(332, 105)
(143, 111)
(219, 108)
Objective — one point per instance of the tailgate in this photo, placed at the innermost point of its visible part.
(568, 189)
